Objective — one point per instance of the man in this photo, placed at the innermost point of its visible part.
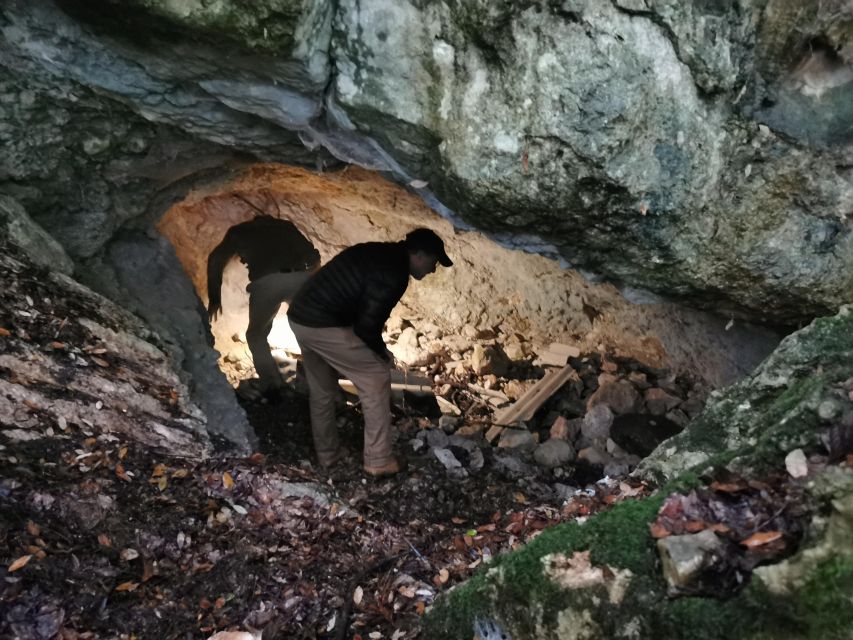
(338, 317)
(279, 258)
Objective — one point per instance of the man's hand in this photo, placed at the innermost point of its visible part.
(214, 309)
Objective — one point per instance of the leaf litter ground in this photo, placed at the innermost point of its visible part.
(128, 542)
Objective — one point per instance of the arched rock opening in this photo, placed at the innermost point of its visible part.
(517, 301)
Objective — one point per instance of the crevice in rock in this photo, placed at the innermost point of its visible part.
(670, 35)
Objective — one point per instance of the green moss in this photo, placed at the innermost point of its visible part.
(825, 603)
(707, 619)
(618, 538)
(821, 610)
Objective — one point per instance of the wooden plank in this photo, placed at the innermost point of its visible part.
(494, 432)
(400, 381)
(535, 397)
(488, 392)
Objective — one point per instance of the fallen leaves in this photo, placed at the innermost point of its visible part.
(761, 538)
(227, 480)
(127, 586)
(763, 518)
(19, 563)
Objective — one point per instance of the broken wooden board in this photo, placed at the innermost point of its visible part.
(400, 381)
(535, 397)
(558, 354)
(494, 432)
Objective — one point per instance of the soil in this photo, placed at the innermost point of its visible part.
(127, 543)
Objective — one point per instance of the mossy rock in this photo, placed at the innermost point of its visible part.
(756, 422)
(749, 426)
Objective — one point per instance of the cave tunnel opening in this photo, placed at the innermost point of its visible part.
(479, 335)
(251, 275)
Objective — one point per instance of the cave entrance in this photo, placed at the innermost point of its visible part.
(479, 335)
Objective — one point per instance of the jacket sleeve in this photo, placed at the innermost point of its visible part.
(379, 298)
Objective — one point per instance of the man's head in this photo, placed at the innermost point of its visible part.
(426, 250)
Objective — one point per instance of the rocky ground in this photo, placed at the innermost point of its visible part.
(120, 520)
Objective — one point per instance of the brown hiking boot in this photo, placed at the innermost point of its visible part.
(390, 468)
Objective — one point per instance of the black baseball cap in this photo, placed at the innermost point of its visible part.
(427, 240)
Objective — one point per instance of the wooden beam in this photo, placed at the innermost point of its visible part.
(535, 397)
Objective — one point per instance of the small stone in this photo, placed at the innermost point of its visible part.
(471, 430)
(796, 464)
(593, 455)
(489, 360)
(616, 468)
(448, 423)
(639, 380)
(609, 367)
(620, 396)
(565, 429)
(565, 491)
(685, 557)
(515, 351)
(554, 453)
(829, 409)
(514, 389)
(518, 439)
(446, 407)
(606, 378)
(658, 401)
(407, 348)
(394, 325)
(597, 422)
(693, 405)
(678, 417)
(614, 449)
(436, 438)
(511, 466)
(446, 457)
(94, 145)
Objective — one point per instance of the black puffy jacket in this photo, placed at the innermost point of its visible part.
(357, 288)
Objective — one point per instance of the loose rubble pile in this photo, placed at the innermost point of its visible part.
(609, 413)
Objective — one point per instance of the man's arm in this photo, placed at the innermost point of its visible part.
(377, 302)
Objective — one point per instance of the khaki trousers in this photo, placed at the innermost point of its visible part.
(265, 297)
(327, 351)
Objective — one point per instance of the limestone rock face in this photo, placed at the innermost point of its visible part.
(693, 149)
(80, 362)
(39, 245)
(586, 121)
